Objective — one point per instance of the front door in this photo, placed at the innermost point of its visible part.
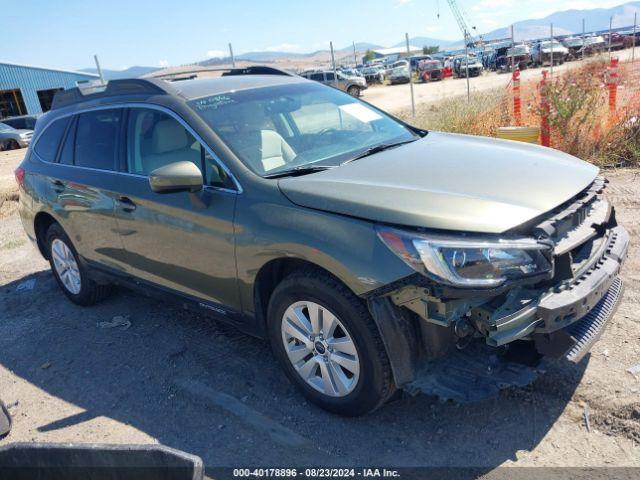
(181, 241)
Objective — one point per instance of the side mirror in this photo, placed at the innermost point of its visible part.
(176, 177)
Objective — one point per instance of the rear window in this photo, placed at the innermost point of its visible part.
(47, 145)
(96, 139)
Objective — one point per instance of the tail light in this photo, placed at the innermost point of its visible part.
(19, 173)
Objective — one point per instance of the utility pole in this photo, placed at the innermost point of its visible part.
(513, 51)
(551, 73)
(413, 102)
(610, 25)
(233, 59)
(95, 57)
(355, 58)
(633, 50)
(583, 49)
(466, 63)
(333, 64)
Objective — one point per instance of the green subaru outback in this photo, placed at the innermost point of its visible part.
(375, 257)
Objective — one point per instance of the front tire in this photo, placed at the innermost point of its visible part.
(353, 91)
(328, 344)
(70, 273)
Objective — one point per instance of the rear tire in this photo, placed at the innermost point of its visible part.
(325, 382)
(70, 273)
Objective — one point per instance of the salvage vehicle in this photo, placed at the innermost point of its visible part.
(373, 255)
(399, 73)
(13, 138)
(617, 41)
(373, 74)
(462, 63)
(518, 55)
(542, 53)
(430, 70)
(574, 47)
(354, 86)
(593, 45)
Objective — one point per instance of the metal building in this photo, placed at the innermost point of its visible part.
(26, 89)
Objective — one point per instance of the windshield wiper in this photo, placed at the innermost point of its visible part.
(300, 170)
(377, 149)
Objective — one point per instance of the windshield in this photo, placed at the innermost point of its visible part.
(5, 128)
(550, 44)
(278, 128)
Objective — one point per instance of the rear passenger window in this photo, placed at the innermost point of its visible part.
(47, 145)
(96, 139)
(155, 139)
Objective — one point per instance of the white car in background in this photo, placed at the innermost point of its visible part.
(12, 138)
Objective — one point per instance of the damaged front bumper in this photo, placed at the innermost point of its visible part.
(463, 345)
(534, 312)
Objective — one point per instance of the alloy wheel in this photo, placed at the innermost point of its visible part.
(320, 349)
(66, 266)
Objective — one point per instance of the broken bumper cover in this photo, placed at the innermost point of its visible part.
(550, 312)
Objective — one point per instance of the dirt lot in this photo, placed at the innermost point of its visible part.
(182, 380)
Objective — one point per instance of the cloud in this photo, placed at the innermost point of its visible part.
(283, 47)
(215, 53)
(402, 2)
(163, 63)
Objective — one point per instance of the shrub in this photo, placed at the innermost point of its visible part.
(579, 115)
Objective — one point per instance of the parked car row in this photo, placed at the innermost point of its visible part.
(497, 57)
(501, 57)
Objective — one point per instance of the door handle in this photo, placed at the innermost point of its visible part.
(58, 186)
(126, 204)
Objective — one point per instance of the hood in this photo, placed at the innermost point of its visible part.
(447, 181)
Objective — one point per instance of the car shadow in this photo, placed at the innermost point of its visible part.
(205, 388)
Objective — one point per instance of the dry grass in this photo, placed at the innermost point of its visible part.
(579, 114)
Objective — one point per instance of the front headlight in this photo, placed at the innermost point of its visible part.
(469, 261)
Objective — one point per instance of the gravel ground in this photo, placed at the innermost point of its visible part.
(183, 380)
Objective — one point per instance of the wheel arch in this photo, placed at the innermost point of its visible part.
(271, 274)
(41, 224)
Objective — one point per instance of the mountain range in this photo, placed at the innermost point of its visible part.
(564, 23)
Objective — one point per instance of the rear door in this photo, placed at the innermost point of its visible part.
(181, 241)
(81, 181)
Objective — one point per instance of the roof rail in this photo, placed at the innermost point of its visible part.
(257, 70)
(95, 90)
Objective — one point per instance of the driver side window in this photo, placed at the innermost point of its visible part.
(156, 139)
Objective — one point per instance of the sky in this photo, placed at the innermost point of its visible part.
(67, 33)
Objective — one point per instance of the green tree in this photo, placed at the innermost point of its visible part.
(429, 50)
(369, 55)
